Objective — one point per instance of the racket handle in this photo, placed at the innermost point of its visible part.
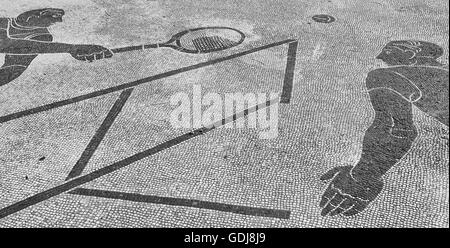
(134, 48)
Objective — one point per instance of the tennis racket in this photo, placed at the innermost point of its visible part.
(198, 40)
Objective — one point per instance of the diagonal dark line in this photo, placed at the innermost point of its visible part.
(237, 209)
(289, 74)
(78, 181)
(100, 134)
(50, 106)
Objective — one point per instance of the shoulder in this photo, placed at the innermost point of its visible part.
(393, 80)
(382, 77)
(381, 73)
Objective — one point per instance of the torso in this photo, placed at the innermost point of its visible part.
(3, 28)
(426, 87)
(15, 31)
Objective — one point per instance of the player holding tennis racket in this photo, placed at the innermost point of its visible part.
(24, 37)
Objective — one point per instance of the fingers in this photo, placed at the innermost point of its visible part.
(350, 212)
(91, 53)
(90, 57)
(345, 205)
(355, 209)
(79, 57)
(330, 174)
(339, 204)
(107, 54)
(333, 204)
(99, 56)
(337, 211)
(94, 56)
(327, 196)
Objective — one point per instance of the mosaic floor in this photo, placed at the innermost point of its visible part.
(115, 113)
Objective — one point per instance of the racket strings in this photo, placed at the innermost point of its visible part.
(207, 44)
(205, 41)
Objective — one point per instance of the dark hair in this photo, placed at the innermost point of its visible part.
(37, 12)
(420, 49)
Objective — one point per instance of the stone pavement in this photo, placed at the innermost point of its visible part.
(363, 95)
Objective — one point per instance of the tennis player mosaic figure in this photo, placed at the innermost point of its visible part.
(413, 78)
(25, 37)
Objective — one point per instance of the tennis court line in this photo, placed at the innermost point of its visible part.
(288, 83)
(78, 181)
(237, 209)
(94, 94)
(100, 134)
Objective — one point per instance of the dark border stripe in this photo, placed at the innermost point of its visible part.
(78, 181)
(100, 134)
(237, 209)
(50, 106)
(289, 74)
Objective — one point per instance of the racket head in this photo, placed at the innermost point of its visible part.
(207, 39)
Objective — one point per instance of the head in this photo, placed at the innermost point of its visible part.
(410, 52)
(40, 17)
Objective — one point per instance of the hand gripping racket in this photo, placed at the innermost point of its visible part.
(198, 40)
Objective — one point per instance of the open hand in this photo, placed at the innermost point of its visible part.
(90, 52)
(345, 195)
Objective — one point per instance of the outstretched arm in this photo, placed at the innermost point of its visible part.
(389, 137)
(386, 141)
(28, 47)
(18, 46)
